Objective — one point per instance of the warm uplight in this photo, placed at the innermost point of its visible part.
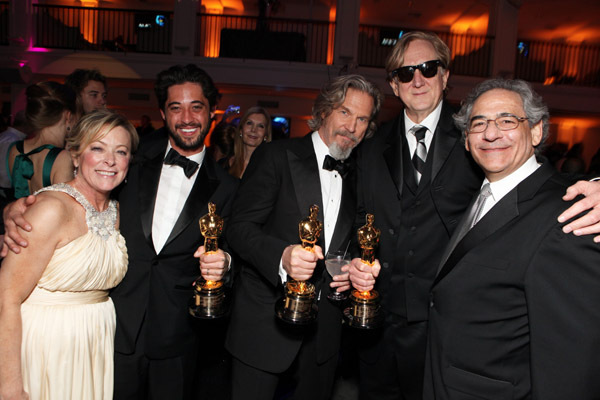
(331, 36)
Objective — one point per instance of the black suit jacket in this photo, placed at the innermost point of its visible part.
(514, 310)
(157, 287)
(451, 180)
(278, 187)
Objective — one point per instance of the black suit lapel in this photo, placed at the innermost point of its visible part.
(346, 214)
(500, 215)
(149, 175)
(305, 177)
(393, 154)
(205, 185)
(444, 139)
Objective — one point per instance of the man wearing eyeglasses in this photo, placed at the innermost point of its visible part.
(416, 178)
(514, 306)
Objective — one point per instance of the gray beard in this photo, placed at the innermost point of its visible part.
(338, 153)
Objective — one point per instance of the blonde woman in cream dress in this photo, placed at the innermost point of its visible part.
(57, 322)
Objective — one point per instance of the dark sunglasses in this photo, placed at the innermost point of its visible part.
(405, 74)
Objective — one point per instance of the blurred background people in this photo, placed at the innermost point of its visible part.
(221, 143)
(90, 87)
(58, 323)
(145, 127)
(16, 131)
(39, 161)
(253, 130)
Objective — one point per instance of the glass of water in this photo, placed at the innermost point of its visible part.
(334, 261)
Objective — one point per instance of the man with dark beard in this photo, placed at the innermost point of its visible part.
(168, 188)
(283, 179)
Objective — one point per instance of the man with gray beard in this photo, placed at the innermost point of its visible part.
(283, 179)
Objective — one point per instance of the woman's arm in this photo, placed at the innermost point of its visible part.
(18, 276)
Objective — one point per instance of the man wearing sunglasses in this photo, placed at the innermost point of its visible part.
(417, 179)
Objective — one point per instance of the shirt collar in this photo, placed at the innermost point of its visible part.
(198, 157)
(501, 187)
(430, 122)
(321, 149)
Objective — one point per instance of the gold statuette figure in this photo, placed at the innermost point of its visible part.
(364, 311)
(210, 300)
(297, 306)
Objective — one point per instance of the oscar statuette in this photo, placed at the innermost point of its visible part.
(297, 306)
(210, 300)
(364, 311)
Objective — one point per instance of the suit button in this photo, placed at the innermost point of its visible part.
(411, 275)
(411, 253)
(431, 303)
(385, 265)
(418, 203)
(391, 231)
(413, 228)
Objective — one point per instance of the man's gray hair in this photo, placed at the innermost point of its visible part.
(333, 95)
(533, 105)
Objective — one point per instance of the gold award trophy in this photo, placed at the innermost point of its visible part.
(297, 306)
(364, 311)
(210, 300)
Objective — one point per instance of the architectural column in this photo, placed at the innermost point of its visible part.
(20, 26)
(184, 27)
(347, 19)
(503, 26)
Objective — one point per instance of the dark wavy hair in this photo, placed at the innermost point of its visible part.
(178, 75)
(333, 95)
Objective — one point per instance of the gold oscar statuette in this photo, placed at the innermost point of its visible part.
(364, 311)
(297, 306)
(210, 300)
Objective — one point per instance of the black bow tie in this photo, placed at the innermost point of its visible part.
(341, 166)
(174, 158)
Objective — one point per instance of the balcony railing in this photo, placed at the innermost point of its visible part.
(272, 38)
(3, 22)
(86, 28)
(558, 63)
(150, 31)
(470, 54)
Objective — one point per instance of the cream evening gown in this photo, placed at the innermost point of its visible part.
(69, 320)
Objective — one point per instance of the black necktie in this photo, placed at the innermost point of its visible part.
(340, 166)
(174, 158)
(420, 155)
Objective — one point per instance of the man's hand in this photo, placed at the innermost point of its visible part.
(590, 222)
(13, 218)
(299, 263)
(363, 275)
(213, 265)
(342, 281)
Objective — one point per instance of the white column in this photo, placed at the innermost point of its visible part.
(184, 27)
(347, 19)
(503, 26)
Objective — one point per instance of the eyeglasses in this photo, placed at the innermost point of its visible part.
(405, 74)
(504, 123)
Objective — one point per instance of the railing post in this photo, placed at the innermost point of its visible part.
(184, 27)
(502, 25)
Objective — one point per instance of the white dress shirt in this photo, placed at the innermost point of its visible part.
(430, 123)
(501, 187)
(331, 192)
(173, 190)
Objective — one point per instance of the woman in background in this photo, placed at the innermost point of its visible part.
(58, 323)
(40, 160)
(253, 130)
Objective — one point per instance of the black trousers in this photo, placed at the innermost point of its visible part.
(138, 377)
(305, 379)
(397, 373)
